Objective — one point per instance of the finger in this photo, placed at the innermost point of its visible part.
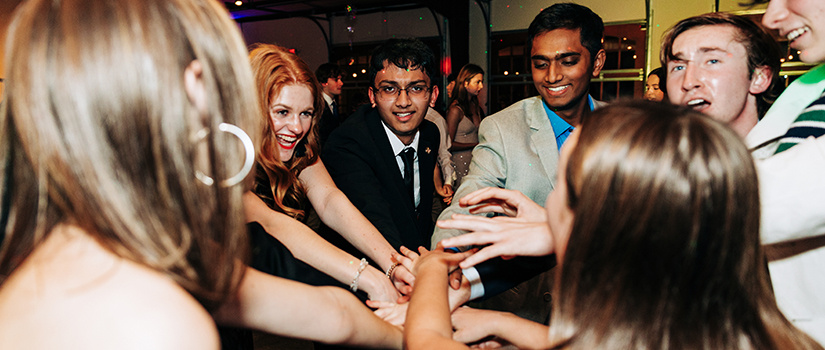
(403, 275)
(482, 255)
(469, 223)
(408, 253)
(491, 208)
(455, 279)
(476, 196)
(490, 344)
(378, 304)
(490, 194)
(405, 262)
(422, 250)
(457, 257)
(471, 239)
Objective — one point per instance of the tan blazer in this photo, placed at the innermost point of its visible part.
(517, 150)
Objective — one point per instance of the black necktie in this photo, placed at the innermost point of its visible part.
(408, 156)
(335, 110)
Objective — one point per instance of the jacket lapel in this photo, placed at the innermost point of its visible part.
(387, 162)
(543, 137)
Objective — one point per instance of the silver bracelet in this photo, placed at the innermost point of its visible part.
(391, 270)
(354, 285)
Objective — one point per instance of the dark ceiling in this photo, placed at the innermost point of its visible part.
(258, 10)
(457, 12)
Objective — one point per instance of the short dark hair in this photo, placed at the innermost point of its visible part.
(761, 47)
(569, 16)
(328, 70)
(404, 53)
(657, 72)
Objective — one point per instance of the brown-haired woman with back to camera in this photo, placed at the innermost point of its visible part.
(655, 224)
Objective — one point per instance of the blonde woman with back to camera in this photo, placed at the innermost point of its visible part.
(120, 151)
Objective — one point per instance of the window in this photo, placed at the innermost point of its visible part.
(354, 60)
(622, 76)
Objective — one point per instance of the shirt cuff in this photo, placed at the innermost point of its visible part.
(476, 287)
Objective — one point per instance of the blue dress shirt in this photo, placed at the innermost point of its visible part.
(561, 128)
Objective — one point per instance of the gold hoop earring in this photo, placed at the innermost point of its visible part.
(249, 160)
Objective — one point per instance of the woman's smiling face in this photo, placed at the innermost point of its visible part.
(290, 113)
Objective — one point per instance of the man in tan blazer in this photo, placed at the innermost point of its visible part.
(519, 147)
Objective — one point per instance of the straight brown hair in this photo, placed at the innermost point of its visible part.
(99, 132)
(664, 251)
(459, 93)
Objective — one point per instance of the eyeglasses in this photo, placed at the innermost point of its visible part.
(389, 92)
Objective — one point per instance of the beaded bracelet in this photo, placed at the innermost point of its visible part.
(354, 285)
(391, 270)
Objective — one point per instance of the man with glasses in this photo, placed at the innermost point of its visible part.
(383, 156)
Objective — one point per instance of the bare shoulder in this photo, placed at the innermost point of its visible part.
(79, 295)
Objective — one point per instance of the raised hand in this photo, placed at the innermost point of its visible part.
(499, 236)
(508, 202)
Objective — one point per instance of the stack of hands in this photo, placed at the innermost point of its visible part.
(520, 229)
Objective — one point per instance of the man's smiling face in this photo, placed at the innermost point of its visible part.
(403, 114)
(562, 68)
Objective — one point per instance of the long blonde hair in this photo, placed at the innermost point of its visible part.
(274, 67)
(664, 251)
(99, 132)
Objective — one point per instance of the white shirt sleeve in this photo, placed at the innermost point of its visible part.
(792, 192)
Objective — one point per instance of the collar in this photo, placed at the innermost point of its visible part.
(560, 125)
(396, 144)
(796, 97)
(327, 98)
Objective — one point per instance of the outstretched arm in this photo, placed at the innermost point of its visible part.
(499, 237)
(526, 233)
(503, 201)
(472, 325)
(326, 314)
(488, 168)
(310, 248)
(428, 323)
(337, 212)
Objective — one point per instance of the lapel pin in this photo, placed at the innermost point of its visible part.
(427, 150)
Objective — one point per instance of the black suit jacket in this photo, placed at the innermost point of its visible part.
(360, 160)
(328, 123)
